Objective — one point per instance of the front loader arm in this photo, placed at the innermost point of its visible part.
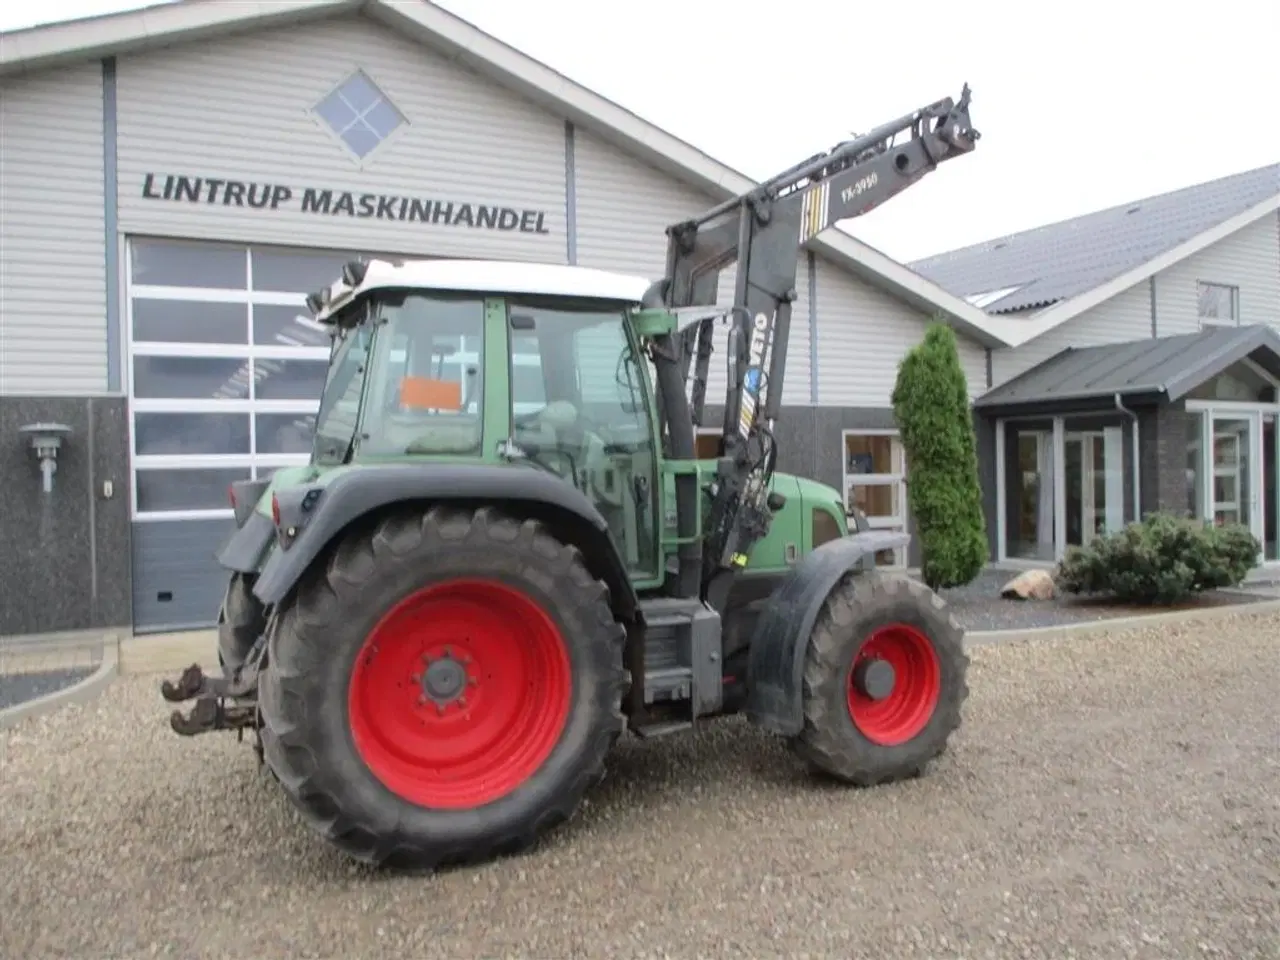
(763, 232)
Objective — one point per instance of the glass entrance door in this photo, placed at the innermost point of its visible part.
(1235, 459)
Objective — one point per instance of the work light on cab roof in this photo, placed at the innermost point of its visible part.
(506, 549)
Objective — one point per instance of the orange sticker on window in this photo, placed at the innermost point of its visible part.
(423, 393)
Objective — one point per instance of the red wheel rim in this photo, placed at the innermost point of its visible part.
(459, 694)
(917, 685)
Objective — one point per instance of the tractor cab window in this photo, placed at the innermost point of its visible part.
(425, 389)
(339, 411)
(578, 409)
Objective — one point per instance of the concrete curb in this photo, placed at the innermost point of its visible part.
(87, 689)
(979, 638)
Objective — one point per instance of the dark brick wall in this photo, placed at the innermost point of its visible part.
(1163, 458)
(64, 556)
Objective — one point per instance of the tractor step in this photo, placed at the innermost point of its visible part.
(682, 654)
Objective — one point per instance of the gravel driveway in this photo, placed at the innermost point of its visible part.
(1108, 797)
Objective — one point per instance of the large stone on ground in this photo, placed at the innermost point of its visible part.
(1030, 585)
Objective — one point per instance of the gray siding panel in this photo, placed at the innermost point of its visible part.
(1248, 260)
(240, 108)
(177, 583)
(52, 263)
(863, 333)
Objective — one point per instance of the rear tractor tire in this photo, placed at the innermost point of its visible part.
(241, 622)
(444, 689)
(884, 681)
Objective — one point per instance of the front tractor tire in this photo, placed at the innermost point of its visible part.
(444, 689)
(884, 681)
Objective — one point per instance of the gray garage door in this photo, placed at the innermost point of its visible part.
(225, 378)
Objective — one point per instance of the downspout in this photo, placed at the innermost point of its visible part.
(1137, 459)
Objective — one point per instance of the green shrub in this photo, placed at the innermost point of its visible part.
(931, 406)
(1162, 560)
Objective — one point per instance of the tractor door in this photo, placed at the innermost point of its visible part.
(579, 408)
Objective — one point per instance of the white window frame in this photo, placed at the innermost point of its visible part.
(900, 521)
(1234, 292)
(250, 406)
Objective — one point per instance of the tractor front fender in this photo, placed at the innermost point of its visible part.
(312, 516)
(775, 663)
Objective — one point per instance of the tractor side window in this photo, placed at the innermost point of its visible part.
(340, 403)
(426, 392)
(528, 392)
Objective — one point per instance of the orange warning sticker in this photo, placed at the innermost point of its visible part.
(423, 393)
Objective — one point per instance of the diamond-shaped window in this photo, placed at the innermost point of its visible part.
(360, 114)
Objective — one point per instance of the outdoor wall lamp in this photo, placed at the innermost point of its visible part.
(46, 438)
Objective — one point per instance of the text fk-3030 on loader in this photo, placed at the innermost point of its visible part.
(504, 550)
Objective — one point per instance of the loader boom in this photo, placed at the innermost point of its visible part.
(763, 231)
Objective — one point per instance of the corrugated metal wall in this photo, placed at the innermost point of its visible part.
(52, 262)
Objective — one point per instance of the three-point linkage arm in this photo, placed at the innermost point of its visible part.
(763, 231)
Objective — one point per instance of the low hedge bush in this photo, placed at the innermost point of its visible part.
(1161, 560)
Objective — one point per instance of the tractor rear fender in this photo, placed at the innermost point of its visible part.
(775, 663)
(314, 515)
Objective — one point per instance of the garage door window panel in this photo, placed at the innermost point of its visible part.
(286, 325)
(285, 379)
(199, 434)
(289, 271)
(190, 378)
(185, 489)
(176, 263)
(186, 321)
(285, 433)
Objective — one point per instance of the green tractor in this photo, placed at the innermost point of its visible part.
(505, 550)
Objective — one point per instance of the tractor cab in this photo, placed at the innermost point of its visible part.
(548, 377)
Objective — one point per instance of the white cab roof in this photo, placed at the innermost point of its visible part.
(489, 276)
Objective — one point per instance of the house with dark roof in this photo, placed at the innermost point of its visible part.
(1141, 369)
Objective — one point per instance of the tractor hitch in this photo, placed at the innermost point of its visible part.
(193, 683)
(211, 713)
(211, 693)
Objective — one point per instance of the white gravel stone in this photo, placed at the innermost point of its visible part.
(1109, 797)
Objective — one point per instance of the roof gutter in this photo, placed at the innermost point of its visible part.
(1137, 474)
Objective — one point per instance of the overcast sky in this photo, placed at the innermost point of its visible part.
(1081, 105)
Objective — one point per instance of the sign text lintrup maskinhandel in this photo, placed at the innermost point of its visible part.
(335, 203)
